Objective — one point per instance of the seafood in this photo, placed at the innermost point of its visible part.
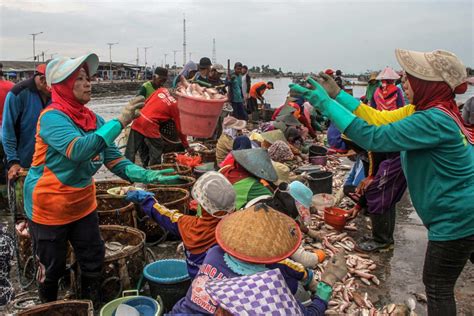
(195, 90)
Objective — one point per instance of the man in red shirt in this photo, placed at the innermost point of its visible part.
(5, 86)
(161, 108)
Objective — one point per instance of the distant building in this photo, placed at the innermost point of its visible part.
(20, 70)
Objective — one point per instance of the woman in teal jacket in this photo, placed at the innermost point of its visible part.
(437, 156)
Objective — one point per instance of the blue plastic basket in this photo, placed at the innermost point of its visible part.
(167, 271)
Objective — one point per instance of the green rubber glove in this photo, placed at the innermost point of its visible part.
(138, 174)
(347, 101)
(318, 98)
(110, 131)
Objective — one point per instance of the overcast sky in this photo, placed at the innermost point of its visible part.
(295, 35)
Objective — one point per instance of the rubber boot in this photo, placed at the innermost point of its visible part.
(382, 233)
(48, 291)
(91, 289)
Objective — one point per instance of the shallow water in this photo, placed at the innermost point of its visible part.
(110, 106)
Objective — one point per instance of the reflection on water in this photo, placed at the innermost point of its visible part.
(109, 107)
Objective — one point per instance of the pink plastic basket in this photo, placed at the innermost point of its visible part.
(199, 117)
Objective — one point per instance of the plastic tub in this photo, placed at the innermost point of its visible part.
(110, 307)
(315, 150)
(318, 160)
(322, 200)
(335, 217)
(199, 117)
(169, 279)
(320, 182)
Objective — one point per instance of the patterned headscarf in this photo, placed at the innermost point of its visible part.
(280, 151)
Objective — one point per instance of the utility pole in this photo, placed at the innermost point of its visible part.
(190, 54)
(138, 64)
(111, 76)
(42, 54)
(34, 48)
(174, 57)
(146, 48)
(184, 40)
(166, 54)
(214, 58)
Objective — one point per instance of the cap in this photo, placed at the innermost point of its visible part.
(219, 68)
(160, 71)
(41, 69)
(329, 72)
(61, 68)
(205, 62)
(214, 193)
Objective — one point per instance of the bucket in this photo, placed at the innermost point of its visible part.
(318, 160)
(169, 279)
(199, 117)
(315, 150)
(320, 182)
(335, 217)
(322, 200)
(129, 298)
(267, 114)
(63, 307)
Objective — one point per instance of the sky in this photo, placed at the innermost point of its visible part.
(297, 36)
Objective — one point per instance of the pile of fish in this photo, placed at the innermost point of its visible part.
(348, 297)
(195, 90)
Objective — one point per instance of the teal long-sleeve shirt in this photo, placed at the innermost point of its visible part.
(438, 163)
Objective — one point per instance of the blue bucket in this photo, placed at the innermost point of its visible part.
(144, 305)
(169, 279)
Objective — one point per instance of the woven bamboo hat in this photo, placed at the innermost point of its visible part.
(258, 234)
(273, 136)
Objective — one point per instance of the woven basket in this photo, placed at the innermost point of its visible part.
(101, 186)
(172, 198)
(180, 169)
(184, 182)
(60, 308)
(169, 132)
(170, 157)
(115, 211)
(123, 269)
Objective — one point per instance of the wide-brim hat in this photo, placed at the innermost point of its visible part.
(257, 162)
(273, 136)
(288, 119)
(373, 76)
(232, 122)
(263, 293)
(59, 69)
(438, 65)
(283, 172)
(214, 193)
(258, 234)
(388, 74)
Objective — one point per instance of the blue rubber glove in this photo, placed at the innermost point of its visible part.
(138, 174)
(318, 98)
(138, 196)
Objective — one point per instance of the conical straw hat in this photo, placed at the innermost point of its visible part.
(388, 74)
(258, 234)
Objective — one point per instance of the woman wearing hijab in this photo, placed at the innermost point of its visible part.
(72, 143)
(388, 96)
(188, 71)
(231, 128)
(240, 142)
(215, 197)
(437, 156)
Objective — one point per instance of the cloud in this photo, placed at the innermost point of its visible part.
(295, 35)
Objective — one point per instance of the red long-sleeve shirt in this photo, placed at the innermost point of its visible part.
(160, 107)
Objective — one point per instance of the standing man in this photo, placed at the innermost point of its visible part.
(256, 93)
(5, 87)
(339, 80)
(158, 80)
(236, 96)
(161, 107)
(246, 84)
(215, 78)
(23, 105)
